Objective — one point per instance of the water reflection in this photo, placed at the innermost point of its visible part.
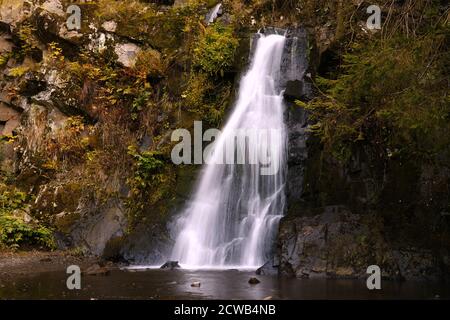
(229, 284)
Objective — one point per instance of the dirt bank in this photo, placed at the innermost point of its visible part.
(17, 264)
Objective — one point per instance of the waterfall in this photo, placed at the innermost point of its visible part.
(212, 15)
(232, 218)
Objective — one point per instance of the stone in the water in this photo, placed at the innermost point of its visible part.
(253, 281)
(196, 284)
(267, 269)
(171, 265)
(97, 270)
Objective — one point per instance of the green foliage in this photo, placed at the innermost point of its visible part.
(11, 199)
(14, 231)
(122, 11)
(7, 138)
(4, 57)
(18, 71)
(151, 185)
(27, 42)
(143, 21)
(195, 93)
(56, 54)
(215, 50)
(148, 164)
(389, 93)
(139, 103)
(206, 97)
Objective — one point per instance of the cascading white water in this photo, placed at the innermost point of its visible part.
(233, 216)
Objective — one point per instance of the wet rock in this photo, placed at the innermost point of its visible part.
(97, 270)
(127, 54)
(109, 26)
(148, 243)
(298, 153)
(335, 243)
(14, 12)
(295, 62)
(31, 85)
(6, 44)
(171, 265)
(70, 35)
(253, 281)
(196, 284)
(54, 6)
(416, 263)
(267, 269)
(112, 251)
(97, 225)
(295, 90)
(9, 119)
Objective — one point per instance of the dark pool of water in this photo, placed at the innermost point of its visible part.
(231, 284)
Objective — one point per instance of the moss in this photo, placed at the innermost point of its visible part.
(152, 186)
(144, 22)
(149, 64)
(127, 14)
(216, 49)
(207, 98)
(68, 196)
(65, 223)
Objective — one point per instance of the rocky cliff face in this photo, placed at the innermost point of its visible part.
(86, 117)
(344, 216)
(333, 242)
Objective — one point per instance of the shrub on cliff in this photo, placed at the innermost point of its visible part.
(390, 92)
(215, 50)
(15, 232)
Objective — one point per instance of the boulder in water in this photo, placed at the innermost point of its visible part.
(97, 270)
(267, 269)
(171, 265)
(253, 281)
(196, 284)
